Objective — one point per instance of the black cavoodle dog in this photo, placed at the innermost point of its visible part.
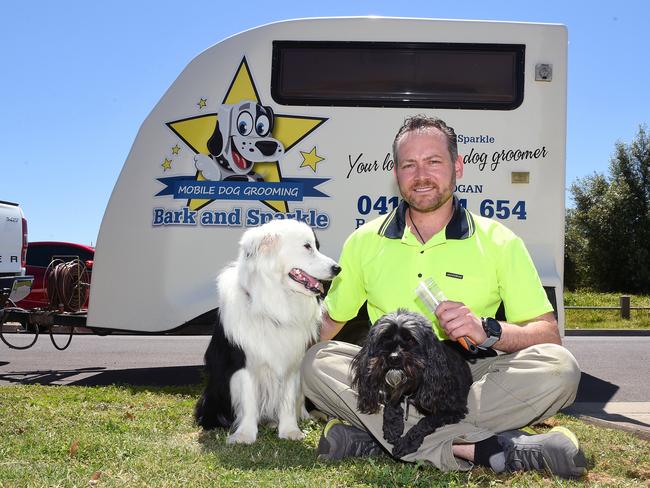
(403, 362)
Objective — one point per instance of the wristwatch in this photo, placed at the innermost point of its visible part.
(492, 328)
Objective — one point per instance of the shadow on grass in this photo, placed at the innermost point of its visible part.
(268, 452)
(272, 454)
(100, 376)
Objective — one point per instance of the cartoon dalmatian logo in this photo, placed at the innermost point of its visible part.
(241, 138)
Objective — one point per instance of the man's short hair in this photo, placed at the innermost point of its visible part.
(422, 122)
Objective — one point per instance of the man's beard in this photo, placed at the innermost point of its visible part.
(429, 203)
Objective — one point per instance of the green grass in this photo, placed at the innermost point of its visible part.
(125, 436)
(604, 319)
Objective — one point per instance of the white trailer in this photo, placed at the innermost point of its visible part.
(296, 119)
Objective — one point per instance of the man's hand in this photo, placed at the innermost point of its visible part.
(457, 320)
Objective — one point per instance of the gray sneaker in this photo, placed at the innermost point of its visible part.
(340, 440)
(557, 451)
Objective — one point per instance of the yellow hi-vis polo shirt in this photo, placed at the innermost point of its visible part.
(474, 260)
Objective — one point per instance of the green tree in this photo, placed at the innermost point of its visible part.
(608, 231)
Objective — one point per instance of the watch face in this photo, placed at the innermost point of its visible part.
(493, 327)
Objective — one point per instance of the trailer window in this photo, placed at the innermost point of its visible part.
(378, 74)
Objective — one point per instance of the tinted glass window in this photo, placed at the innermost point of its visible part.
(427, 75)
(37, 256)
(43, 255)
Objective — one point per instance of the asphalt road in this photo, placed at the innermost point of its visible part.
(615, 369)
(95, 360)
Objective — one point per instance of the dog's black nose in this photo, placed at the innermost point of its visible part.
(336, 269)
(266, 147)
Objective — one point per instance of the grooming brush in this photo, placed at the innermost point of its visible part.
(431, 295)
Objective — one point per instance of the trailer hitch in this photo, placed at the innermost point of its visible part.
(33, 321)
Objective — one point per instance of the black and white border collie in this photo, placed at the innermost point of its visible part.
(269, 314)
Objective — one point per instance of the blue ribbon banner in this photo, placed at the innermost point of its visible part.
(289, 189)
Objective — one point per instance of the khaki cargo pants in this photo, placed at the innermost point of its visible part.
(510, 391)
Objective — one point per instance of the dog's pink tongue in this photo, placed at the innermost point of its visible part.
(313, 282)
(306, 280)
(239, 159)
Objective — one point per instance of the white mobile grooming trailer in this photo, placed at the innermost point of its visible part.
(296, 119)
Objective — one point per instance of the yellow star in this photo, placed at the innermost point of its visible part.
(310, 159)
(202, 103)
(166, 164)
(175, 149)
(288, 129)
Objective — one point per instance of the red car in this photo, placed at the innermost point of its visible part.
(40, 255)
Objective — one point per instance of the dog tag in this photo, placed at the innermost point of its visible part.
(394, 377)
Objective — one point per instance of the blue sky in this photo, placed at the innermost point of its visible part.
(78, 78)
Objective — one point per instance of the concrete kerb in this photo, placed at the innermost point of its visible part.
(607, 332)
(631, 417)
